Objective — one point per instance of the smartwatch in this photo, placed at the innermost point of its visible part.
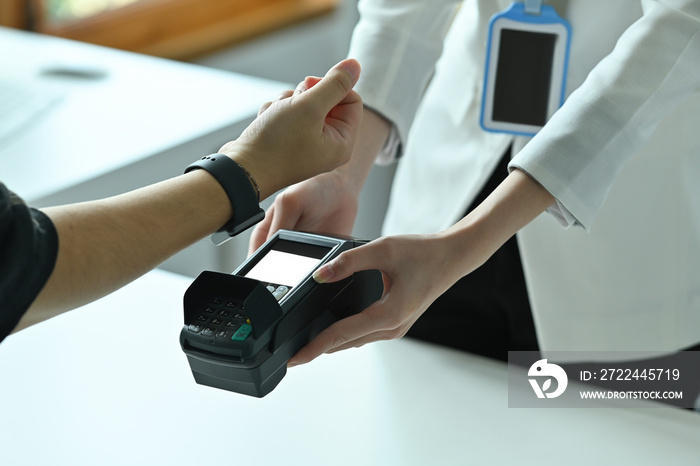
(239, 187)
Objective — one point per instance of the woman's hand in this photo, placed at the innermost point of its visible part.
(415, 270)
(321, 204)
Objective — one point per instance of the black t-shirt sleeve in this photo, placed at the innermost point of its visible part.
(28, 250)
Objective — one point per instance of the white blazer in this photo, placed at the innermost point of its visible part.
(623, 150)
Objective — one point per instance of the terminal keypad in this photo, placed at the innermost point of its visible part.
(222, 319)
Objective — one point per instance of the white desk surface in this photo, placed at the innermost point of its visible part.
(109, 385)
(141, 108)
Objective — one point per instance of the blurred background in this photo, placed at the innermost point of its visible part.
(280, 40)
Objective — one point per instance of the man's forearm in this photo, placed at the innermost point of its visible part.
(107, 243)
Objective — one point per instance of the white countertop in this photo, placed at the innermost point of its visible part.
(108, 384)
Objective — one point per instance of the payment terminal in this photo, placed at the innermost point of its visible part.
(242, 328)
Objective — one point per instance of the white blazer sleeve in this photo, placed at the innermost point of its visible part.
(653, 68)
(397, 42)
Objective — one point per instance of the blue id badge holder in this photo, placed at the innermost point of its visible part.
(526, 66)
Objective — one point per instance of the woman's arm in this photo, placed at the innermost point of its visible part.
(417, 269)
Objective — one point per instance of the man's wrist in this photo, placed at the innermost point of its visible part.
(262, 177)
(240, 190)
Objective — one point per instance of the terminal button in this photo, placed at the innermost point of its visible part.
(280, 292)
(242, 333)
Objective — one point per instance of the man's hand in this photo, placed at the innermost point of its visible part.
(327, 203)
(303, 133)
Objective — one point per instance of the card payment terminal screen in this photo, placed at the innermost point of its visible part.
(287, 263)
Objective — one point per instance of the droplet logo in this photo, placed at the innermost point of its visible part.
(542, 369)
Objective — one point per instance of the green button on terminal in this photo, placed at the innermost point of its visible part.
(242, 333)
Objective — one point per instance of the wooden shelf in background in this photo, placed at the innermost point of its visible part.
(184, 29)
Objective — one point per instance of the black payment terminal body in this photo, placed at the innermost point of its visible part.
(242, 328)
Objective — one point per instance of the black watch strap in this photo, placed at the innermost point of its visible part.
(239, 189)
